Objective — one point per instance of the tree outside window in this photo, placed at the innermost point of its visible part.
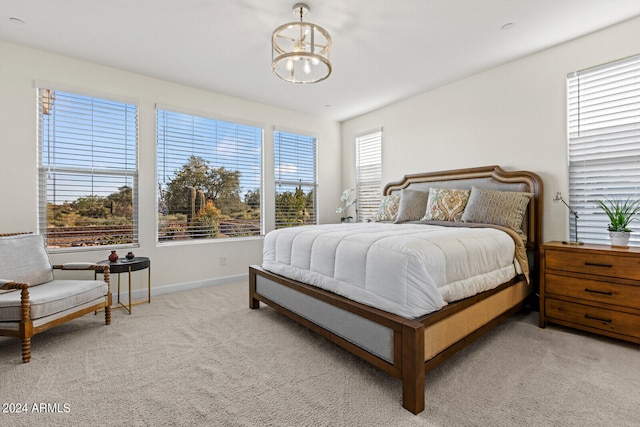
(209, 176)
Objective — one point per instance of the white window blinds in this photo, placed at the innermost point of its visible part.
(88, 170)
(295, 176)
(209, 178)
(368, 173)
(604, 142)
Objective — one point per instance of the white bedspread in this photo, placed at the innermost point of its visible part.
(406, 269)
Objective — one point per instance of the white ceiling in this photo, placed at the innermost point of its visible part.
(383, 51)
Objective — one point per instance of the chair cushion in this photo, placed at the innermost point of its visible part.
(51, 298)
(25, 259)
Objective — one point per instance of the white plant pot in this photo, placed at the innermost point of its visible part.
(619, 238)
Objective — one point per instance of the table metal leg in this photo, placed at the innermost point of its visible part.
(130, 303)
(129, 290)
(119, 302)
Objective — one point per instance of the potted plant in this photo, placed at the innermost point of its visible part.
(345, 199)
(620, 213)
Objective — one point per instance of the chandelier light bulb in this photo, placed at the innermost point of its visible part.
(307, 67)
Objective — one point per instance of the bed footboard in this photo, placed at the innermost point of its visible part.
(389, 342)
(404, 348)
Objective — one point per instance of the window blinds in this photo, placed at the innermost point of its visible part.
(368, 173)
(209, 177)
(295, 176)
(88, 170)
(604, 142)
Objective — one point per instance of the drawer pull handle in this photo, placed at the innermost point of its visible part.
(596, 264)
(587, 316)
(598, 292)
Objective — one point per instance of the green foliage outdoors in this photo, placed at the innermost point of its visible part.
(252, 199)
(207, 221)
(219, 185)
(217, 201)
(218, 209)
(294, 208)
(93, 210)
(121, 202)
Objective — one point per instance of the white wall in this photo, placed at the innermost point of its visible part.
(20, 67)
(512, 116)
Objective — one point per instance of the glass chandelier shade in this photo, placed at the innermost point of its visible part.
(301, 50)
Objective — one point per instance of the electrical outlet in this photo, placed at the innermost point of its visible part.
(223, 260)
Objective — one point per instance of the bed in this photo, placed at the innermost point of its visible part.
(407, 344)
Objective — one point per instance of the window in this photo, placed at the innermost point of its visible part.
(88, 170)
(295, 175)
(209, 177)
(368, 173)
(604, 142)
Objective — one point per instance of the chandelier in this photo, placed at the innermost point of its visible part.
(301, 50)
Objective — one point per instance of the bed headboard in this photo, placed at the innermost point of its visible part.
(489, 177)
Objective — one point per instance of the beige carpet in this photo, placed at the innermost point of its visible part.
(202, 357)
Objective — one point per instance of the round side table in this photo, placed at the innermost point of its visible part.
(127, 266)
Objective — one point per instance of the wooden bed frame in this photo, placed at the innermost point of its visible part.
(407, 348)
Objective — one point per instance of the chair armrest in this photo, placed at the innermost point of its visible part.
(75, 266)
(82, 266)
(98, 268)
(25, 303)
(8, 285)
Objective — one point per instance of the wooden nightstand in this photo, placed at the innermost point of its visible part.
(595, 288)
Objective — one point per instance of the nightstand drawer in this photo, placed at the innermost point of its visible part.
(593, 290)
(599, 318)
(608, 265)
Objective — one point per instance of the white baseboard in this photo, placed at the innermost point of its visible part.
(141, 294)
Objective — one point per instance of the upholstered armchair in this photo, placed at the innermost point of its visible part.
(32, 300)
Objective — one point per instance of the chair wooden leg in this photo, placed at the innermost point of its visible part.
(107, 315)
(26, 350)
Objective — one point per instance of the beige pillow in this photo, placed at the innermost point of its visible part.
(446, 204)
(388, 209)
(413, 205)
(505, 208)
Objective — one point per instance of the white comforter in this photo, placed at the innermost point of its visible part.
(406, 269)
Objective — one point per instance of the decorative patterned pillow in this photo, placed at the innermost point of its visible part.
(388, 209)
(505, 208)
(446, 204)
(413, 205)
